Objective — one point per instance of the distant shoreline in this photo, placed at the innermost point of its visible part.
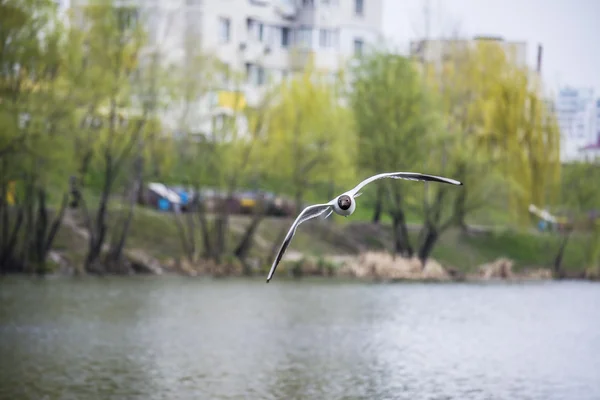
(367, 267)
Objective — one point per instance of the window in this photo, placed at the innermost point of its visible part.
(358, 47)
(327, 38)
(255, 74)
(224, 25)
(304, 38)
(358, 7)
(256, 29)
(285, 37)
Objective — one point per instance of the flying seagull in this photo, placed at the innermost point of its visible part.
(345, 205)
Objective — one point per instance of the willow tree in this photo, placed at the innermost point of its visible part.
(394, 117)
(498, 105)
(35, 130)
(462, 142)
(524, 132)
(309, 134)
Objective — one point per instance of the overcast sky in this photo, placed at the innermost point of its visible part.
(568, 30)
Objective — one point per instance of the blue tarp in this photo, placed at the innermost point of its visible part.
(184, 196)
(164, 204)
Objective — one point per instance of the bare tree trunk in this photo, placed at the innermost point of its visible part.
(402, 244)
(245, 243)
(191, 229)
(460, 211)
(557, 265)
(8, 248)
(84, 167)
(45, 231)
(426, 247)
(378, 204)
(117, 245)
(40, 233)
(56, 224)
(398, 241)
(27, 239)
(98, 229)
(4, 214)
(221, 224)
(205, 230)
(184, 236)
(74, 191)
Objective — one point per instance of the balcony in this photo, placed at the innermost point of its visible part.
(286, 8)
(253, 50)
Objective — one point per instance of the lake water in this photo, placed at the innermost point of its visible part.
(176, 338)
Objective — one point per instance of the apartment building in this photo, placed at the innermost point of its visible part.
(438, 50)
(266, 40)
(269, 39)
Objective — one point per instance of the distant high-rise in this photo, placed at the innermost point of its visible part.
(597, 124)
(576, 114)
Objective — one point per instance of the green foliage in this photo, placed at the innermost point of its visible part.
(91, 99)
(35, 110)
(393, 112)
(310, 135)
(581, 197)
(504, 135)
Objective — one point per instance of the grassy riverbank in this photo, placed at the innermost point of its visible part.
(155, 234)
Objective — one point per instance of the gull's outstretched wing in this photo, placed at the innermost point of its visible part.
(306, 214)
(410, 176)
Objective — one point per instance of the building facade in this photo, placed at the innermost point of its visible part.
(265, 40)
(438, 50)
(576, 113)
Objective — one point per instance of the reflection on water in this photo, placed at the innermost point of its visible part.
(175, 338)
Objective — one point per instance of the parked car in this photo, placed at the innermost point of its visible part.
(165, 198)
(159, 196)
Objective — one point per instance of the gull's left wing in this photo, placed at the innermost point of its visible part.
(410, 176)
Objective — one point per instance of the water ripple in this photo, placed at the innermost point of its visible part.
(172, 338)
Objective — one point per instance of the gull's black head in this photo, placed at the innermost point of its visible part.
(344, 202)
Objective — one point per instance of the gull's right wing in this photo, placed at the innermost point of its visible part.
(309, 212)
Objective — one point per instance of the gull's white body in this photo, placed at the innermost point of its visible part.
(345, 205)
